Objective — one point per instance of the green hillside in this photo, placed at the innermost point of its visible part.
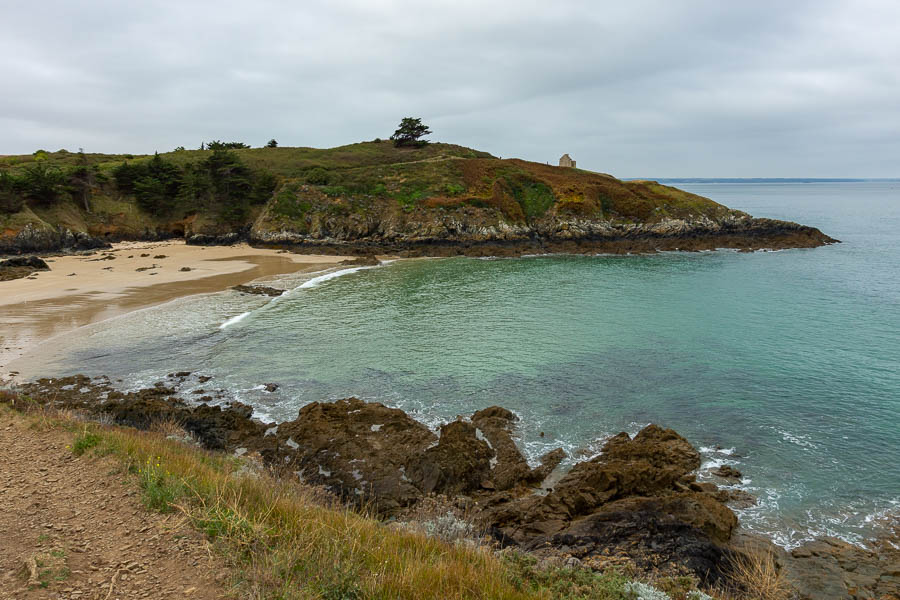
(313, 191)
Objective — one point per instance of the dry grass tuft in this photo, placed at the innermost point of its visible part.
(754, 575)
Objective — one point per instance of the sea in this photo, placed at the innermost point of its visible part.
(784, 365)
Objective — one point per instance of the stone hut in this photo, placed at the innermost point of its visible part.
(566, 161)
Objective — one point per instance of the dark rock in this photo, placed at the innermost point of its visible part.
(185, 269)
(634, 499)
(357, 449)
(32, 238)
(363, 261)
(271, 387)
(647, 532)
(21, 266)
(201, 239)
(457, 464)
(727, 472)
(260, 290)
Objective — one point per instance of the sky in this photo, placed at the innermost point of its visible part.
(636, 89)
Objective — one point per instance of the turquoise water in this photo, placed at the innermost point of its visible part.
(783, 364)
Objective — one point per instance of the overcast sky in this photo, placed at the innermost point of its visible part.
(638, 88)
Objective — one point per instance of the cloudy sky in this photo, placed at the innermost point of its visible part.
(638, 88)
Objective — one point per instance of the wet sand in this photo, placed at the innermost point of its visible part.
(83, 289)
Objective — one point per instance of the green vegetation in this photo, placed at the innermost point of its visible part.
(227, 185)
(84, 441)
(221, 180)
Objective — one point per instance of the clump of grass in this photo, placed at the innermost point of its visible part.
(84, 441)
(753, 574)
(160, 488)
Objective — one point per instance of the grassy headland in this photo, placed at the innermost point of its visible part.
(370, 192)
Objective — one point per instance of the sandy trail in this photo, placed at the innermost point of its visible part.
(77, 528)
(84, 289)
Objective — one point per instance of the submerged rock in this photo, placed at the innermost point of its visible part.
(260, 290)
(368, 260)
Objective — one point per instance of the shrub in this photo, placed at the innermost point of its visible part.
(318, 176)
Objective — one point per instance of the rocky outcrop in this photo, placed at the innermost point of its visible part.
(367, 260)
(831, 568)
(635, 499)
(225, 239)
(18, 267)
(258, 290)
(34, 239)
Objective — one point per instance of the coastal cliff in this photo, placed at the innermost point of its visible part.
(434, 200)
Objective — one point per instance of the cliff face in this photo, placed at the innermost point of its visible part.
(478, 231)
(491, 206)
(372, 197)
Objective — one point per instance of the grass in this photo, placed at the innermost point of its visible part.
(85, 441)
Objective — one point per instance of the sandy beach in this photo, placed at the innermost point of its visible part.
(83, 289)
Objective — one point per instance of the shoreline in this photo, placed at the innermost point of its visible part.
(638, 504)
(85, 289)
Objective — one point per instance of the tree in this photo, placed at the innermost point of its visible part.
(272, 143)
(10, 199)
(82, 180)
(410, 132)
(220, 145)
(42, 184)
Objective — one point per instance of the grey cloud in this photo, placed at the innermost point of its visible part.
(646, 88)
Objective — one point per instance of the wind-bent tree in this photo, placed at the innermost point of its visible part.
(272, 143)
(410, 132)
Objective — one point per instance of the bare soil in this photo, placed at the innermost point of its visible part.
(75, 528)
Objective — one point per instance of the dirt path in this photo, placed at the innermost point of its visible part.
(75, 527)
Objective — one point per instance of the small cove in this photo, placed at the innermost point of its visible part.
(781, 364)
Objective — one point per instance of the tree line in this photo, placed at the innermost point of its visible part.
(221, 181)
(162, 188)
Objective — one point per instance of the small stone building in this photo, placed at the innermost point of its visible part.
(566, 161)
